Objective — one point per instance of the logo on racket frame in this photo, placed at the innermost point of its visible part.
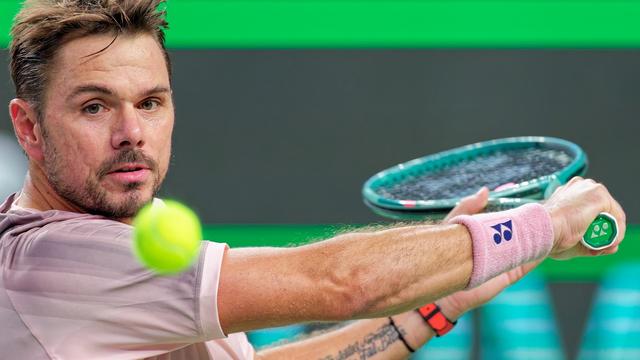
(504, 231)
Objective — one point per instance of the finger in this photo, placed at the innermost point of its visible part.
(614, 208)
(558, 189)
(595, 252)
(577, 251)
(522, 270)
(621, 218)
(574, 180)
(610, 251)
(470, 204)
(531, 265)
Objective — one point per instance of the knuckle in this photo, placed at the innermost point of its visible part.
(623, 217)
(575, 179)
(601, 190)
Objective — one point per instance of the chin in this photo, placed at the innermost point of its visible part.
(124, 204)
(135, 197)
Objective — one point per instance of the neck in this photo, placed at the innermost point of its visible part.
(38, 194)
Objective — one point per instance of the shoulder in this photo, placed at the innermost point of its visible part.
(87, 227)
(54, 234)
(53, 224)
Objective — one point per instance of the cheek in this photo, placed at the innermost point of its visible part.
(163, 143)
(79, 158)
(165, 158)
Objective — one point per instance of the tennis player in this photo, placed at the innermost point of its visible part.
(94, 114)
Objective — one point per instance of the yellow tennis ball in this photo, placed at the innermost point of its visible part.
(167, 236)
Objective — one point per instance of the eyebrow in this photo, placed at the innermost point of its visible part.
(106, 91)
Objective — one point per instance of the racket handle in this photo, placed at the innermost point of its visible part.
(602, 232)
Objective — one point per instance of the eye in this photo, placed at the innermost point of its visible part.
(92, 109)
(149, 105)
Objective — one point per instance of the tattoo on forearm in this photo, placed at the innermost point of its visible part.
(372, 344)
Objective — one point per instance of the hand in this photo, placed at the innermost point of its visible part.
(454, 305)
(458, 303)
(572, 208)
(470, 205)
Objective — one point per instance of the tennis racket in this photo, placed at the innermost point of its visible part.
(517, 171)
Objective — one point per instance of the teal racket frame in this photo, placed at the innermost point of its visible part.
(532, 190)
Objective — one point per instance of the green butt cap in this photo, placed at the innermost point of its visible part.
(602, 232)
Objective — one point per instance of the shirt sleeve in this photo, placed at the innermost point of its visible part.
(208, 295)
(83, 294)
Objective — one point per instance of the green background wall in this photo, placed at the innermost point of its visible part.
(380, 23)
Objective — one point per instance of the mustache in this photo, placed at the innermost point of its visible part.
(127, 156)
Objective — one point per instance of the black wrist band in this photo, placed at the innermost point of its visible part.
(400, 336)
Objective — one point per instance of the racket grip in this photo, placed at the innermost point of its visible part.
(602, 233)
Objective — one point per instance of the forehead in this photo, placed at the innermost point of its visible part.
(130, 62)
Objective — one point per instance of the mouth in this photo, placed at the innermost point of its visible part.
(127, 168)
(130, 173)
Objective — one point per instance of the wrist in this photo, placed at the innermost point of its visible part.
(558, 223)
(504, 240)
(418, 332)
(436, 319)
(450, 308)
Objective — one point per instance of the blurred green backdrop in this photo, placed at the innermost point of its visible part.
(384, 23)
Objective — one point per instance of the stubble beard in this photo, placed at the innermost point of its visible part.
(91, 197)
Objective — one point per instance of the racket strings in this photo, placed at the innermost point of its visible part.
(466, 176)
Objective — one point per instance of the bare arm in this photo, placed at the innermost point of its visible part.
(377, 339)
(359, 275)
(375, 274)
(364, 339)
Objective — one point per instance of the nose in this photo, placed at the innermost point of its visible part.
(128, 131)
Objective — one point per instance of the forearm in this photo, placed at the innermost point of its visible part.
(364, 339)
(398, 269)
(357, 275)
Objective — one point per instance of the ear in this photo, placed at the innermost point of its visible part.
(27, 129)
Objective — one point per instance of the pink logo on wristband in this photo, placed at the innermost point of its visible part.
(504, 231)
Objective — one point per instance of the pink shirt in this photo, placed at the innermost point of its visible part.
(71, 288)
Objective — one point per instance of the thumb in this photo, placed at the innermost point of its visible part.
(472, 204)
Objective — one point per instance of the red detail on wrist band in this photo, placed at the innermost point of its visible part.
(434, 317)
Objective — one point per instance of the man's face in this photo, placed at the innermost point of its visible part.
(107, 123)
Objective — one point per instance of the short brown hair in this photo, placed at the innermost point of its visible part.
(42, 26)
